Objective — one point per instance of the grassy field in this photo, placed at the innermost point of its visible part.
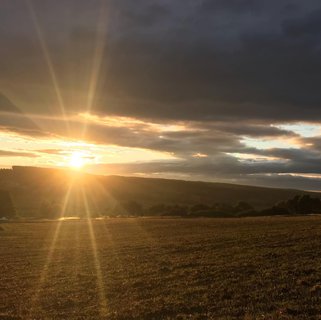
(253, 268)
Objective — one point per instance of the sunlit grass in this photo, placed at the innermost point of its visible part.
(48, 59)
(184, 269)
(96, 260)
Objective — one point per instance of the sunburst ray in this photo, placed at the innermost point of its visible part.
(100, 44)
(49, 62)
(45, 269)
(99, 275)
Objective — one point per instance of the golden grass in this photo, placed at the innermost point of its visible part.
(253, 268)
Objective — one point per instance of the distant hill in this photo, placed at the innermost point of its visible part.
(37, 190)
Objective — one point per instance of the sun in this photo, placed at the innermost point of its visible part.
(77, 160)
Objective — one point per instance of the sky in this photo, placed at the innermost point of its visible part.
(210, 90)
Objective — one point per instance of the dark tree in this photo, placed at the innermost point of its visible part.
(200, 207)
(133, 208)
(49, 210)
(301, 205)
(223, 208)
(7, 209)
(176, 210)
(242, 207)
(157, 210)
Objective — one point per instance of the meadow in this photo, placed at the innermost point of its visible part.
(161, 268)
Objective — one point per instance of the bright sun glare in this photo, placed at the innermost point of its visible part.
(77, 160)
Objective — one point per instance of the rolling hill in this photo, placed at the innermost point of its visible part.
(38, 189)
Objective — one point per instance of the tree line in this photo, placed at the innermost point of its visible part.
(299, 205)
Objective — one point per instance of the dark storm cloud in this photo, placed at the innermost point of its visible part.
(174, 59)
(248, 128)
(235, 64)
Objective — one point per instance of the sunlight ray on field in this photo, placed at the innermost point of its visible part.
(97, 265)
(45, 269)
(97, 59)
(76, 260)
(48, 60)
(111, 199)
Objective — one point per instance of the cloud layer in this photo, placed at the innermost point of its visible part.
(210, 82)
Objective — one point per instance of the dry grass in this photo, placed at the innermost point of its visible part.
(258, 268)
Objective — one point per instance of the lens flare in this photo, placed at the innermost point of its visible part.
(77, 160)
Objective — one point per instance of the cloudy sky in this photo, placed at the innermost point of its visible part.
(192, 89)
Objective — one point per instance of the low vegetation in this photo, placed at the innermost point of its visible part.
(140, 268)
